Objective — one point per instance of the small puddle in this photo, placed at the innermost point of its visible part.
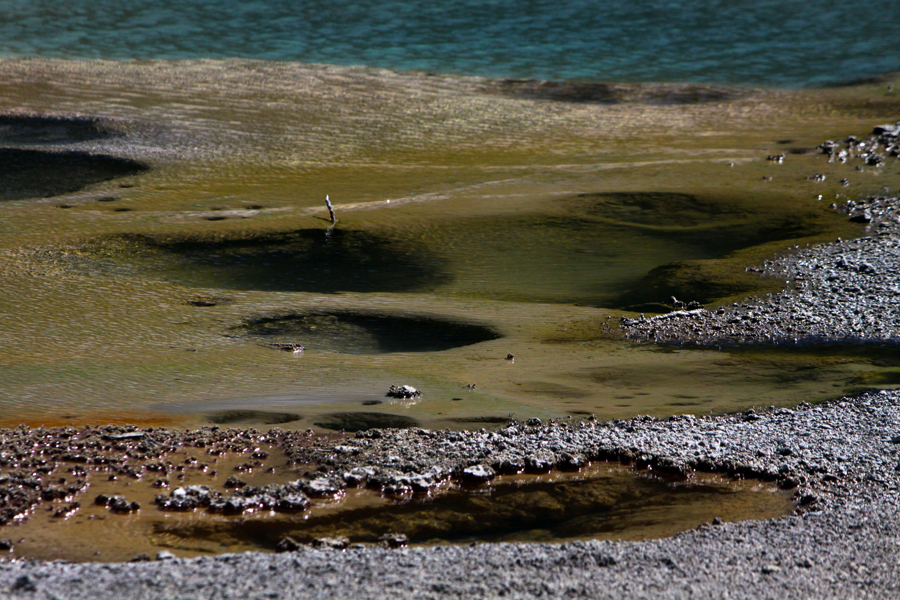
(365, 333)
(600, 502)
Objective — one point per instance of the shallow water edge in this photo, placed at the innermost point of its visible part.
(539, 219)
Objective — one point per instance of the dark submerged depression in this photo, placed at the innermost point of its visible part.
(48, 129)
(305, 260)
(631, 250)
(366, 333)
(352, 422)
(39, 173)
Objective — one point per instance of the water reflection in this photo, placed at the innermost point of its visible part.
(615, 504)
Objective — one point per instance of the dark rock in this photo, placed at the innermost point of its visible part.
(510, 465)
(24, 583)
(356, 476)
(788, 483)
(141, 558)
(887, 130)
(571, 462)
(807, 499)
(336, 543)
(186, 498)
(478, 474)
(539, 464)
(234, 482)
(393, 540)
(287, 544)
(405, 392)
(321, 487)
(119, 505)
(292, 503)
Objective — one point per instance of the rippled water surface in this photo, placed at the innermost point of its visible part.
(789, 43)
(486, 244)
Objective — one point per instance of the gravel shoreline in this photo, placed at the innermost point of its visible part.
(841, 458)
(842, 541)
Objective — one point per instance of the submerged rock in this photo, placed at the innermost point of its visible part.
(288, 544)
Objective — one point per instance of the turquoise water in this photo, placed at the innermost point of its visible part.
(786, 43)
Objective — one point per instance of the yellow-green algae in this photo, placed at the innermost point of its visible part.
(441, 166)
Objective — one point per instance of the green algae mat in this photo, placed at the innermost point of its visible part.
(167, 257)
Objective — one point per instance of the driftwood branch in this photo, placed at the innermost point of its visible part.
(330, 210)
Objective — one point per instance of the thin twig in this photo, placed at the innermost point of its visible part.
(330, 210)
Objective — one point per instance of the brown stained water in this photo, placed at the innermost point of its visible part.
(600, 502)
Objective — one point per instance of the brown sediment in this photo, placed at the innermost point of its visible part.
(96, 418)
(112, 494)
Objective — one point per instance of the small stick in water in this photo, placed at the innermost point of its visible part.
(330, 210)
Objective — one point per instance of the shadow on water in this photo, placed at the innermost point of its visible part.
(877, 365)
(615, 505)
(365, 333)
(305, 260)
(485, 420)
(39, 173)
(606, 249)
